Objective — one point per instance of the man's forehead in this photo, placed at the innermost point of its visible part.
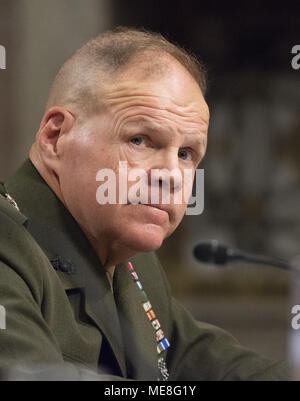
(161, 74)
(156, 94)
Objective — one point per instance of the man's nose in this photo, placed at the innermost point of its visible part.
(165, 170)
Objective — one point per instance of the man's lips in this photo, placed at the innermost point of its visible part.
(162, 207)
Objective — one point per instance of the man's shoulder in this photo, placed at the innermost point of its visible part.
(19, 251)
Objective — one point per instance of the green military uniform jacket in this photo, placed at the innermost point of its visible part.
(62, 321)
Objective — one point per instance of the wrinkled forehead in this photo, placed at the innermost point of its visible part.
(173, 90)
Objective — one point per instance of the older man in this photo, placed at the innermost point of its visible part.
(82, 294)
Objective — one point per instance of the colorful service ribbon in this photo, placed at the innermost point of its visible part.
(162, 341)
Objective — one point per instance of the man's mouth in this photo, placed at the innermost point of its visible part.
(160, 207)
(164, 208)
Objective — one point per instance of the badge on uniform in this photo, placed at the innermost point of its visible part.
(147, 306)
(156, 324)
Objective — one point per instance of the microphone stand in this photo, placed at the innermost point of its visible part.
(213, 252)
(265, 260)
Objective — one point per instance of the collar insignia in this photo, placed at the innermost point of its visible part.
(12, 201)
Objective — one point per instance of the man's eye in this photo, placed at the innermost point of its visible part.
(137, 140)
(184, 155)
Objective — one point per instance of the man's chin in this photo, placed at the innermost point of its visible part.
(147, 240)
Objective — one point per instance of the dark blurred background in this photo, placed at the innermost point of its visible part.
(252, 167)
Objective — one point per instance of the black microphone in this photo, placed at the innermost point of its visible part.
(216, 253)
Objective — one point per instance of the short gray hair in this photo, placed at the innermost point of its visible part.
(105, 56)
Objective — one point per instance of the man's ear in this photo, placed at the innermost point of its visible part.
(56, 122)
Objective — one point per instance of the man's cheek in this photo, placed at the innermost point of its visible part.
(179, 214)
(175, 222)
(187, 189)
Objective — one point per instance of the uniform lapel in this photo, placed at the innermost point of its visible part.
(138, 333)
(66, 246)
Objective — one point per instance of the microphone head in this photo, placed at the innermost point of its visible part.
(211, 252)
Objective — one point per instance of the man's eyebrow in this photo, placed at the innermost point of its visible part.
(145, 121)
(147, 125)
(153, 126)
(196, 141)
(197, 138)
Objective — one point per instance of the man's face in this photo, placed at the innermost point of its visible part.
(155, 123)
